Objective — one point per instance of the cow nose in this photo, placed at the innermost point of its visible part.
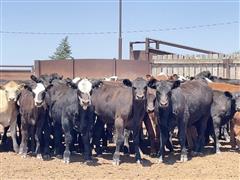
(139, 96)
(11, 99)
(164, 103)
(38, 103)
(150, 108)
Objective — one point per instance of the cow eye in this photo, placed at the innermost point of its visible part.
(169, 93)
(134, 88)
(91, 92)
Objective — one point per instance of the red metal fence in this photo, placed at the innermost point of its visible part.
(93, 68)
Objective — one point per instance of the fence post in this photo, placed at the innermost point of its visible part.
(73, 68)
(227, 66)
(37, 70)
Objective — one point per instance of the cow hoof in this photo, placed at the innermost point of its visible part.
(159, 161)
(24, 156)
(218, 152)
(46, 157)
(66, 161)
(88, 162)
(153, 155)
(59, 156)
(116, 162)
(193, 153)
(39, 156)
(16, 150)
(184, 159)
(139, 162)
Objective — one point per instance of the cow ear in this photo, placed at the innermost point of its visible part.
(34, 78)
(26, 86)
(96, 83)
(176, 84)
(21, 86)
(70, 83)
(152, 83)
(149, 77)
(127, 82)
(228, 94)
(48, 87)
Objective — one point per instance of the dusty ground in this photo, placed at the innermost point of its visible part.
(219, 166)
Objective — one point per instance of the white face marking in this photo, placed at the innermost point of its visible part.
(181, 78)
(37, 91)
(76, 79)
(85, 86)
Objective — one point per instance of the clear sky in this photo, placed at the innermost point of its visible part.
(102, 16)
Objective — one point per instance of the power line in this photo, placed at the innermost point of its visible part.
(126, 32)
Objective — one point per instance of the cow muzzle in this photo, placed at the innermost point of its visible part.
(12, 99)
(85, 103)
(38, 104)
(150, 108)
(163, 103)
(139, 96)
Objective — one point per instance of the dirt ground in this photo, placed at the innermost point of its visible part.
(212, 166)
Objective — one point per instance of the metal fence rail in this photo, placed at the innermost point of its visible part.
(226, 67)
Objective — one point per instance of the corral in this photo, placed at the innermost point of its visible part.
(210, 166)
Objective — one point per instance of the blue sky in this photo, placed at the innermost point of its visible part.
(102, 16)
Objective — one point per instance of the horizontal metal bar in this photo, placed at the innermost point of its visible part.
(183, 47)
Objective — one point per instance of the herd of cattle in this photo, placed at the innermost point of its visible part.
(49, 115)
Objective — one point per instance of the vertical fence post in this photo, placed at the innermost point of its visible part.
(73, 68)
(37, 70)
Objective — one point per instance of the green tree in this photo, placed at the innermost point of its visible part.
(63, 50)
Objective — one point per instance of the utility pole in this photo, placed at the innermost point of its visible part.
(120, 31)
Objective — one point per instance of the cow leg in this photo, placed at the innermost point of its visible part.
(23, 145)
(136, 144)
(46, 136)
(19, 129)
(225, 132)
(13, 131)
(74, 141)
(119, 139)
(216, 124)
(32, 135)
(98, 130)
(68, 139)
(87, 148)
(126, 135)
(38, 135)
(201, 135)
(182, 138)
(151, 133)
(163, 137)
(169, 143)
(4, 137)
(232, 135)
(57, 139)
